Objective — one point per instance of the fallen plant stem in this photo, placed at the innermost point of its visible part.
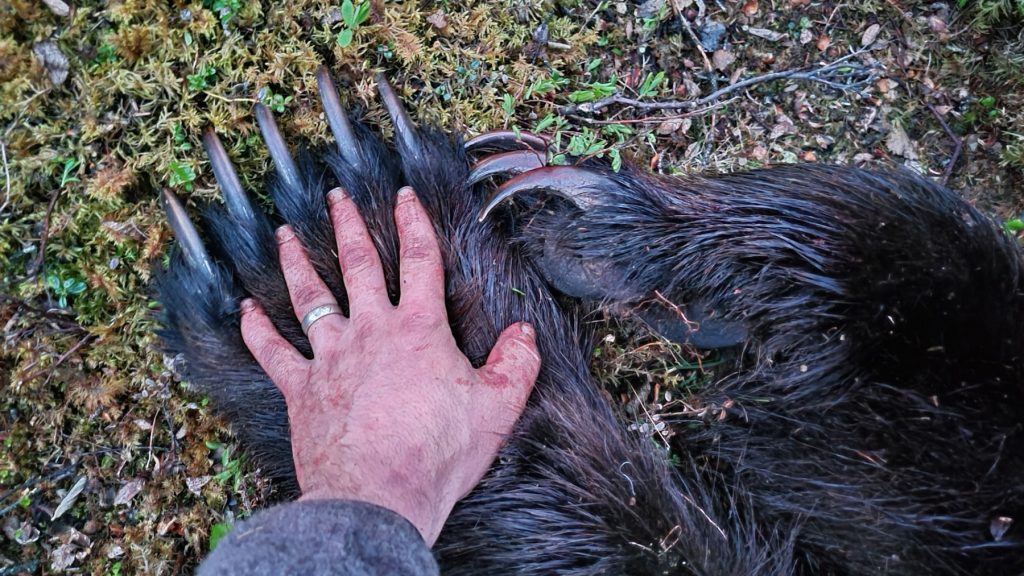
(37, 263)
(958, 144)
(831, 75)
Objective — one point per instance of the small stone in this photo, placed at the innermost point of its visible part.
(711, 35)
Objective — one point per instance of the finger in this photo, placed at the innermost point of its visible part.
(305, 288)
(420, 267)
(278, 358)
(360, 264)
(510, 373)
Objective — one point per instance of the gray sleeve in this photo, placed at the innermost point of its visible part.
(340, 537)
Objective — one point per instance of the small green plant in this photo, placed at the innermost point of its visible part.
(181, 175)
(64, 287)
(1013, 225)
(217, 532)
(231, 468)
(594, 91)
(352, 16)
(649, 87)
(181, 138)
(224, 9)
(547, 85)
(115, 569)
(202, 79)
(105, 54)
(68, 168)
(275, 102)
(508, 105)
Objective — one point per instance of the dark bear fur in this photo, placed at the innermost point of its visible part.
(873, 425)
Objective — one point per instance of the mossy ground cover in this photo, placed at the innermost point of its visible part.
(112, 466)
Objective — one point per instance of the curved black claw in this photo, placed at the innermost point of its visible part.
(279, 153)
(514, 163)
(338, 120)
(578, 185)
(405, 130)
(188, 237)
(235, 198)
(506, 140)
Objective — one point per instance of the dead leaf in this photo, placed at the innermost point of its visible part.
(750, 7)
(58, 7)
(128, 491)
(438, 20)
(823, 42)
(722, 60)
(806, 36)
(870, 35)
(898, 143)
(783, 125)
(56, 64)
(769, 35)
(195, 485)
(669, 126)
(69, 499)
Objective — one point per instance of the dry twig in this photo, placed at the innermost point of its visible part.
(840, 74)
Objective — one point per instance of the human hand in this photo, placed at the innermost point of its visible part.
(389, 410)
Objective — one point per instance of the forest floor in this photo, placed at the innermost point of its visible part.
(111, 465)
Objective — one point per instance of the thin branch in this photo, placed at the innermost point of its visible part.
(60, 360)
(7, 177)
(839, 75)
(958, 144)
(37, 263)
(653, 119)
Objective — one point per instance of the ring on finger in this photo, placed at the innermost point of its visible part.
(317, 313)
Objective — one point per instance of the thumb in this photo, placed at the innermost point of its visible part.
(511, 371)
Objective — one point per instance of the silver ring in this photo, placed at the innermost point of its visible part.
(318, 313)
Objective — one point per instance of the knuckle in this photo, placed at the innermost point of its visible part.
(357, 259)
(423, 321)
(418, 250)
(305, 294)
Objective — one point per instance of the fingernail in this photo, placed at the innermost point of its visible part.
(526, 329)
(248, 305)
(336, 195)
(406, 192)
(284, 234)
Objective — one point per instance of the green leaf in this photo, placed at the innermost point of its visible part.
(508, 104)
(1014, 225)
(217, 532)
(544, 123)
(580, 96)
(616, 157)
(344, 38)
(348, 13)
(649, 86)
(362, 13)
(181, 175)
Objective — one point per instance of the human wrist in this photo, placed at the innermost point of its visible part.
(425, 512)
